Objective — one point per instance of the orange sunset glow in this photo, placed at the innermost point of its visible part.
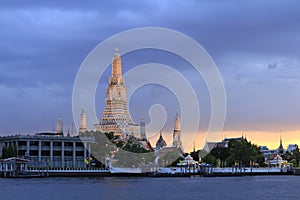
(260, 138)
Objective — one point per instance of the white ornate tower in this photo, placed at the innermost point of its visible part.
(177, 133)
(82, 128)
(59, 128)
(115, 117)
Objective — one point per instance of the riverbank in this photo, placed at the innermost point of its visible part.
(162, 172)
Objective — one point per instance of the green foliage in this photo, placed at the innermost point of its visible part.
(195, 155)
(133, 154)
(9, 152)
(201, 154)
(293, 157)
(209, 158)
(128, 154)
(242, 153)
(220, 153)
(171, 159)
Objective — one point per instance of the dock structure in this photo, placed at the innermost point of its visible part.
(17, 167)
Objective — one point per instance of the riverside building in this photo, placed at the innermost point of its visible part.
(50, 149)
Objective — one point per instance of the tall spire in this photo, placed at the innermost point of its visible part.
(68, 134)
(82, 127)
(59, 128)
(280, 148)
(117, 64)
(143, 129)
(177, 133)
(177, 122)
(194, 149)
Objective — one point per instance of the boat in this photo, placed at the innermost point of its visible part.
(125, 170)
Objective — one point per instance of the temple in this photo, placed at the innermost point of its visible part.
(116, 117)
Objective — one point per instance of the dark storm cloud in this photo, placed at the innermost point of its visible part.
(248, 26)
(44, 42)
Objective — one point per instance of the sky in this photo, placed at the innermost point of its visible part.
(255, 45)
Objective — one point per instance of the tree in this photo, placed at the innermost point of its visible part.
(221, 153)
(293, 157)
(10, 151)
(128, 154)
(210, 159)
(171, 159)
(239, 152)
(244, 153)
(133, 154)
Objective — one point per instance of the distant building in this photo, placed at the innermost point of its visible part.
(268, 154)
(292, 147)
(263, 148)
(49, 148)
(224, 143)
(277, 161)
(272, 156)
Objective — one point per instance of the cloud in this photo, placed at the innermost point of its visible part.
(26, 109)
(272, 66)
(260, 98)
(254, 43)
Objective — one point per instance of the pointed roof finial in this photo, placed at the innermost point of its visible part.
(177, 122)
(68, 131)
(82, 110)
(117, 49)
(194, 147)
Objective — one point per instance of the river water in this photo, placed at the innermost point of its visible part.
(255, 187)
